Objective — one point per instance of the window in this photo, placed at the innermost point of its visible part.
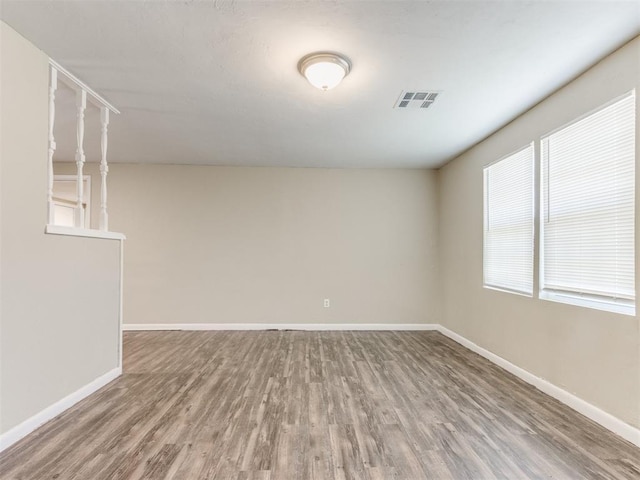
(587, 216)
(65, 200)
(508, 223)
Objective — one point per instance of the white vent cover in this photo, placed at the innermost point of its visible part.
(416, 99)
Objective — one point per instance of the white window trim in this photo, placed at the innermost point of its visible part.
(490, 286)
(87, 189)
(52, 229)
(587, 301)
(589, 113)
(506, 290)
(619, 306)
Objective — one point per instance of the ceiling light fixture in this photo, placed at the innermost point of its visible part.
(324, 70)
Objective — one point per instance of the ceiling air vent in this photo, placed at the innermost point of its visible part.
(414, 99)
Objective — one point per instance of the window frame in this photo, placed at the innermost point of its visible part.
(592, 301)
(485, 213)
(86, 180)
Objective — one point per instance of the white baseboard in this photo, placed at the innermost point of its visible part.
(280, 326)
(605, 419)
(23, 429)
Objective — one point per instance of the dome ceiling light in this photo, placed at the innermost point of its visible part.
(324, 70)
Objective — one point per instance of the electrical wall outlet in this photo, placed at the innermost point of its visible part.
(327, 303)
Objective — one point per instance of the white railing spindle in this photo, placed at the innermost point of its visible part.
(81, 105)
(53, 86)
(83, 93)
(104, 169)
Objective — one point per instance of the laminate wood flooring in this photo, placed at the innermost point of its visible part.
(280, 405)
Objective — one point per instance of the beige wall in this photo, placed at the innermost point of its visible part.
(593, 354)
(252, 245)
(267, 245)
(59, 295)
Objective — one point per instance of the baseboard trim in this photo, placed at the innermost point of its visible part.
(23, 429)
(279, 326)
(608, 421)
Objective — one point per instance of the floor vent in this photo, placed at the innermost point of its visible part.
(414, 99)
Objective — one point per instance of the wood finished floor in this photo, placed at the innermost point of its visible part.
(315, 405)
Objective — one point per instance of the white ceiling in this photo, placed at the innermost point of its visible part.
(203, 82)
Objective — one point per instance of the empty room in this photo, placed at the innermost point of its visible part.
(306, 239)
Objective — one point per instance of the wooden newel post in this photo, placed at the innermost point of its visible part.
(104, 169)
(81, 105)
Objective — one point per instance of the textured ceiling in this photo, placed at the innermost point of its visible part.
(201, 82)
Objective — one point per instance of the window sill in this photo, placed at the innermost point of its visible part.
(588, 302)
(82, 232)
(506, 290)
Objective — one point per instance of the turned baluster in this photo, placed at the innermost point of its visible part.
(81, 105)
(53, 86)
(104, 169)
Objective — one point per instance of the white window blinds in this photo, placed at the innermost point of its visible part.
(588, 179)
(508, 223)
